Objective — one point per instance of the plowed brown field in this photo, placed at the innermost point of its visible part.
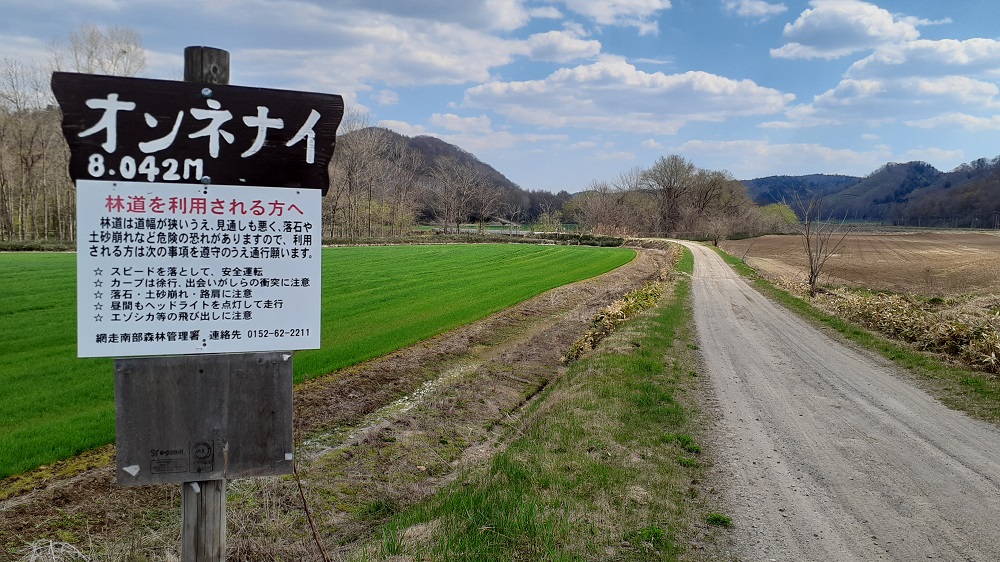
(939, 263)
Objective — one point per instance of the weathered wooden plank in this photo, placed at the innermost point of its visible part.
(203, 417)
(206, 65)
(203, 521)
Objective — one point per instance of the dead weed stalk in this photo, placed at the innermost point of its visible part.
(969, 335)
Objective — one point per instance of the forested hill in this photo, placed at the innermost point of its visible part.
(432, 152)
(778, 189)
(912, 194)
(432, 149)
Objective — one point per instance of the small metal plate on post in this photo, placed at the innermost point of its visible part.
(203, 417)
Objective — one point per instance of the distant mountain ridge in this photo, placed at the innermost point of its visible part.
(908, 194)
(911, 194)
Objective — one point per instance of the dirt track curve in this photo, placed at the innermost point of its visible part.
(825, 453)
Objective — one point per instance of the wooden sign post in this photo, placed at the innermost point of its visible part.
(199, 269)
(203, 502)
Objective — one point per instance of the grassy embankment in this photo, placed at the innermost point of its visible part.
(375, 300)
(973, 392)
(605, 465)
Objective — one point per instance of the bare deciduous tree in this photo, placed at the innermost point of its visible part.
(116, 51)
(549, 221)
(720, 205)
(402, 188)
(821, 237)
(616, 207)
(36, 195)
(375, 179)
(512, 209)
(670, 179)
(33, 181)
(487, 202)
(452, 192)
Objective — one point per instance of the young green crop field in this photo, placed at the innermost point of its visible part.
(375, 300)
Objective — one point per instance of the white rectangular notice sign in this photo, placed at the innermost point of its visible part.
(173, 269)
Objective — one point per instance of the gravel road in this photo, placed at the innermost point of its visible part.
(825, 453)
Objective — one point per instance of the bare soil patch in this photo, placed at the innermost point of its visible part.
(936, 263)
(370, 439)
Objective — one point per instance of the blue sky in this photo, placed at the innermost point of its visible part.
(558, 93)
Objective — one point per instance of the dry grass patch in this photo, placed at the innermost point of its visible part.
(967, 333)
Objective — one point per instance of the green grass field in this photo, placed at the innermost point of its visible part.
(375, 300)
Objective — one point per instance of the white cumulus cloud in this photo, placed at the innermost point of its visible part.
(749, 158)
(975, 57)
(972, 123)
(452, 122)
(560, 46)
(387, 97)
(754, 9)
(832, 29)
(613, 95)
(640, 14)
(503, 15)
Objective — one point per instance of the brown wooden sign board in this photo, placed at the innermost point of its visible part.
(203, 417)
(133, 129)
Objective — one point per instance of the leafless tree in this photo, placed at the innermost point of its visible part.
(594, 207)
(402, 185)
(549, 220)
(37, 199)
(670, 179)
(487, 203)
(513, 211)
(346, 164)
(452, 191)
(356, 170)
(91, 49)
(374, 181)
(718, 205)
(33, 181)
(671, 197)
(615, 207)
(821, 236)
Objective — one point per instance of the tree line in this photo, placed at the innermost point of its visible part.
(37, 198)
(674, 197)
